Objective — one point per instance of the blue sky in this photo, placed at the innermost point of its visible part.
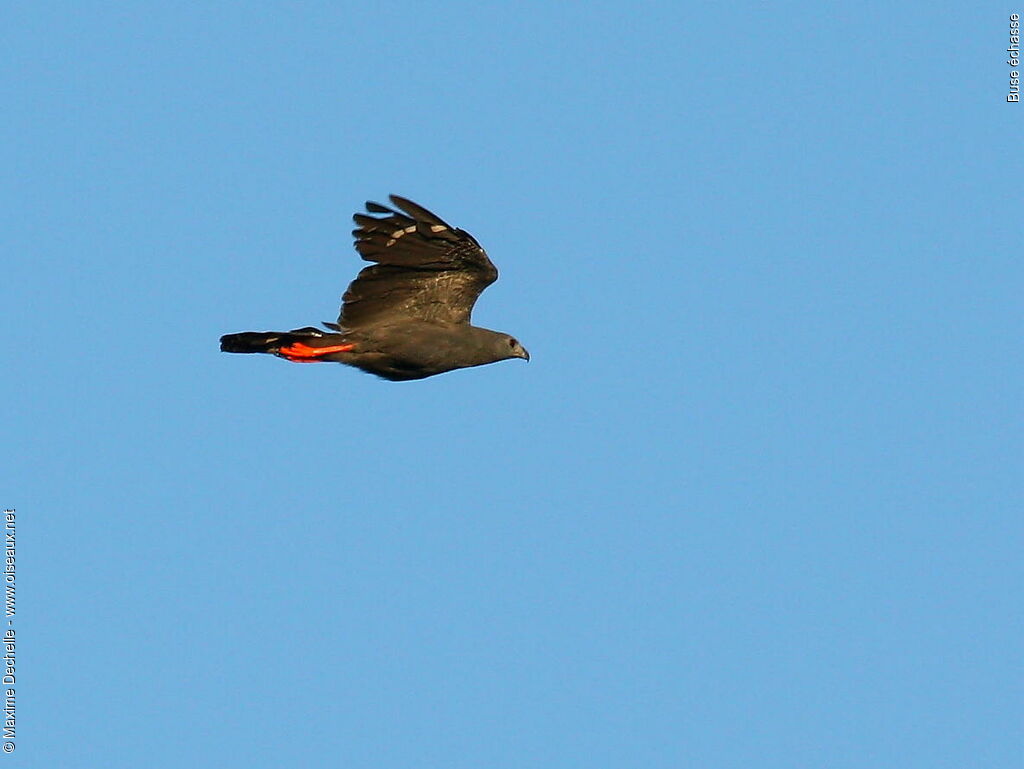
(754, 502)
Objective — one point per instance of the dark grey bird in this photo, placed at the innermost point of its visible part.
(408, 315)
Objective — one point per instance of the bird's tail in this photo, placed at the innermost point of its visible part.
(302, 344)
(251, 341)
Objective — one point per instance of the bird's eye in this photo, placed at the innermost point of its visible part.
(512, 342)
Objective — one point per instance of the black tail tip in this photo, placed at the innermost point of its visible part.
(247, 341)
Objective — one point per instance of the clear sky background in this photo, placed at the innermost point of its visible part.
(756, 501)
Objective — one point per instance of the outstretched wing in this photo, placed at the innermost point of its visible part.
(426, 269)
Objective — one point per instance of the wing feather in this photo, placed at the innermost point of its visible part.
(425, 268)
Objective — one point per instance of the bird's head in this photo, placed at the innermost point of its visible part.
(514, 349)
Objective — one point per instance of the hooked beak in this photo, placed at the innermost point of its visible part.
(525, 356)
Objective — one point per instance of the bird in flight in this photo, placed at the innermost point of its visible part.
(407, 316)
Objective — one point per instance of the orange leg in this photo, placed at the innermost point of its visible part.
(301, 353)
